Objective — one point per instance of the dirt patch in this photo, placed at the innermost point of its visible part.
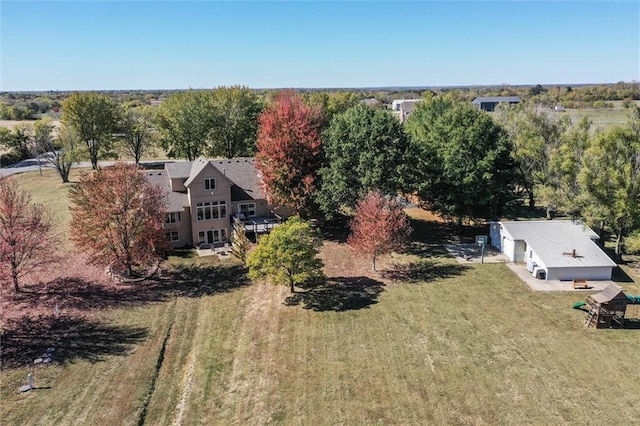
(341, 261)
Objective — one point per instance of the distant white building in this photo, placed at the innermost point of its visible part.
(553, 249)
(403, 107)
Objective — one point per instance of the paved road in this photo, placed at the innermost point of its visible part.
(31, 165)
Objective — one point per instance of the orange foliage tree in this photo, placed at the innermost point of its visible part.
(117, 216)
(27, 239)
(289, 152)
(379, 227)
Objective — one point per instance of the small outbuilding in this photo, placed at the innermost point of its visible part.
(553, 249)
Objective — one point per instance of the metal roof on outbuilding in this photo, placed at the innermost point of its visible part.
(483, 99)
(556, 241)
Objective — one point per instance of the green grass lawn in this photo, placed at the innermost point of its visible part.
(449, 344)
(602, 118)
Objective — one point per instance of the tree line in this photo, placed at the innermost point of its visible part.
(325, 158)
(320, 153)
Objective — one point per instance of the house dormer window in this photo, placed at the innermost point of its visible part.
(209, 184)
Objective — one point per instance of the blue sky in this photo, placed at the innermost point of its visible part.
(84, 45)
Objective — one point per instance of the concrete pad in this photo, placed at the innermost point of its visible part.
(471, 253)
(553, 285)
(205, 252)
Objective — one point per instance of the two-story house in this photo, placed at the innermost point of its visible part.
(205, 196)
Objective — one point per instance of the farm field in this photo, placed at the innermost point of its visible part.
(601, 118)
(425, 341)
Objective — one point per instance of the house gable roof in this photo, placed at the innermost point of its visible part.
(554, 241)
(198, 166)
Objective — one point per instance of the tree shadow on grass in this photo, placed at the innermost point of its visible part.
(429, 236)
(339, 294)
(181, 281)
(423, 271)
(198, 281)
(27, 338)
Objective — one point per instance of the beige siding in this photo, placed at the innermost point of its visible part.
(177, 185)
(183, 228)
(199, 194)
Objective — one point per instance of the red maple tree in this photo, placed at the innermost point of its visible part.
(27, 239)
(379, 227)
(117, 216)
(289, 152)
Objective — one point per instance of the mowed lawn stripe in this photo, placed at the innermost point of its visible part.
(104, 390)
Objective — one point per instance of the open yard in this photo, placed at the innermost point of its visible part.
(425, 341)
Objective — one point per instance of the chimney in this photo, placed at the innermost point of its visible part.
(574, 253)
(224, 172)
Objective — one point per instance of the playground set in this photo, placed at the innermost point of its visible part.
(608, 308)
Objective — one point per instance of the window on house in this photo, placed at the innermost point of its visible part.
(212, 236)
(172, 218)
(247, 209)
(211, 210)
(209, 184)
(219, 235)
(173, 236)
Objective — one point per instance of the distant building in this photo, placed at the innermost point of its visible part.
(489, 103)
(371, 102)
(403, 107)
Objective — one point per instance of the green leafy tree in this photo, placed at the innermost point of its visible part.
(610, 177)
(235, 122)
(365, 149)
(18, 140)
(562, 187)
(185, 120)
(64, 151)
(42, 138)
(288, 255)
(137, 133)
(239, 242)
(94, 117)
(465, 168)
(536, 137)
(332, 103)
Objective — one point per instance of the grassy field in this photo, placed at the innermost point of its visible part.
(435, 342)
(602, 118)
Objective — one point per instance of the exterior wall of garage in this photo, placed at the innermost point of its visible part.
(590, 273)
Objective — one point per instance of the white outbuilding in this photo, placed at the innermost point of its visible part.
(553, 249)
